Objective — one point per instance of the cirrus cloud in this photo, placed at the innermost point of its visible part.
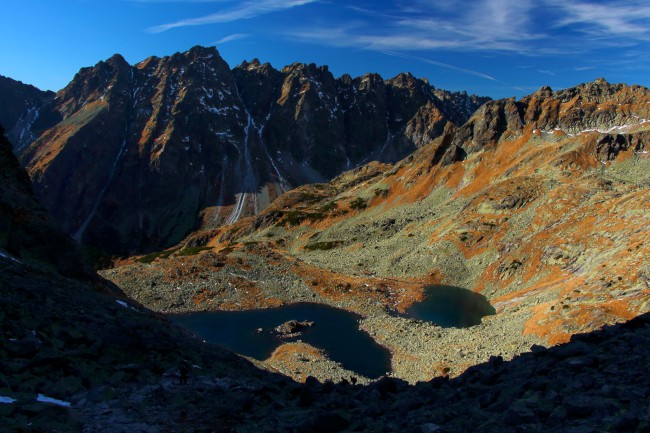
(243, 11)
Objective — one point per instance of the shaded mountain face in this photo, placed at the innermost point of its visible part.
(27, 233)
(69, 334)
(20, 106)
(132, 158)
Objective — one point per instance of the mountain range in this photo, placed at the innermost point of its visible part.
(78, 356)
(251, 187)
(176, 143)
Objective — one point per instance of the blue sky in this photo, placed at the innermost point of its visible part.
(498, 48)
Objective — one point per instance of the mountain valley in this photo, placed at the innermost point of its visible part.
(544, 216)
(235, 190)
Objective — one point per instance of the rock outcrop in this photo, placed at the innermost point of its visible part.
(20, 106)
(596, 106)
(292, 328)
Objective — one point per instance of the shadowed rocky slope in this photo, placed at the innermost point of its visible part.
(132, 158)
(69, 335)
(26, 232)
(19, 109)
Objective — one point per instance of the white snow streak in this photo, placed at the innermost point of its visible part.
(45, 399)
(8, 256)
(249, 177)
(388, 137)
(80, 232)
(620, 128)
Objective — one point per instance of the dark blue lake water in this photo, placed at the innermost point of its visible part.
(451, 307)
(336, 331)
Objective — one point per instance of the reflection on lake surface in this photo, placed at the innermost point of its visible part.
(336, 331)
(450, 306)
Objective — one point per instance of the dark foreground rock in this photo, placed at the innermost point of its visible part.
(118, 367)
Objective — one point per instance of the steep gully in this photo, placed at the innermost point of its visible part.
(78, 234)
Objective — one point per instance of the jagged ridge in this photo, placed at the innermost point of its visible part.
(176, 142)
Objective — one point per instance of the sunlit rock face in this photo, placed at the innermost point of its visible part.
(132, 158)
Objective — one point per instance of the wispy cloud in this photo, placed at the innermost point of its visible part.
(440, 64)
(502, 25)
(244, 10)
(486, 25)
(230, 38)
(630, 18)
(524, 27)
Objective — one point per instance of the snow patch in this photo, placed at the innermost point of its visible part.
(8, 256)
(125, 305)
(619, 128)
(45, 399)
(249, 182)
(7, 400)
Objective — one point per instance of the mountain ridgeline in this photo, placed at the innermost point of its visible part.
(132, 158)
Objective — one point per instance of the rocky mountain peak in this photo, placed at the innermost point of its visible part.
(205, 145)
(595, 106)
(345, 79)
(117, 61)
(369, 81)
(198, 52)
(147, 63)
(254, 64)
(407, 81)
(543, 92)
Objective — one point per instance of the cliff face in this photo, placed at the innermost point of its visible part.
(131, 158)
(592, 107)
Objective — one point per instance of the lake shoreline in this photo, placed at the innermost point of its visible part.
(419, 350)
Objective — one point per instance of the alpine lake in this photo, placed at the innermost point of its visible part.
(336, 331)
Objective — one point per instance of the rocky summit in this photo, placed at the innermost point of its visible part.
(175, 143)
